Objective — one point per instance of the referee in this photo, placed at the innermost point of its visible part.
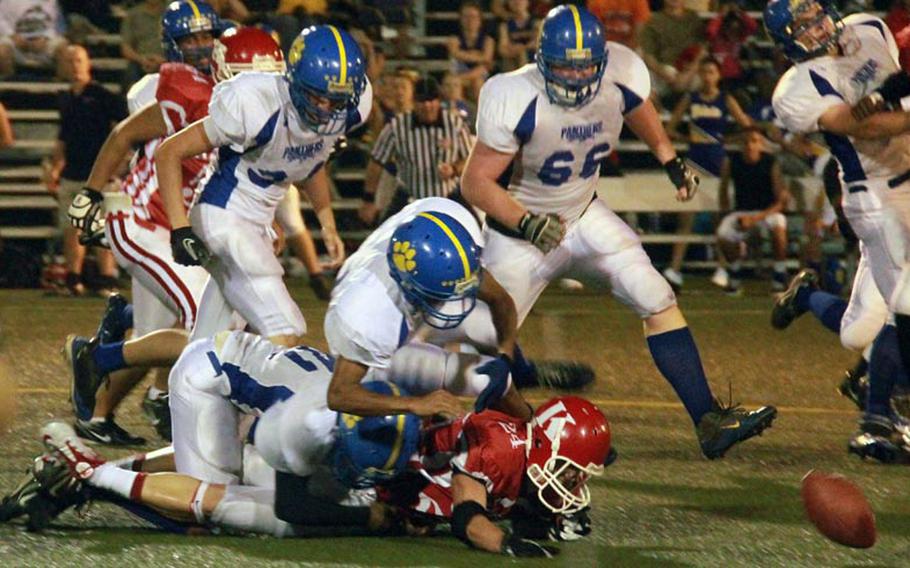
(428, 147)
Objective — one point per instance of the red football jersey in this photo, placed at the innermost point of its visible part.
(489, 447)
(183, 95)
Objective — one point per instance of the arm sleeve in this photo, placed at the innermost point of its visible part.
(798, 104)
(384, 148)
(236, 115)
(629, 72)
(183, 95)
(498, 114)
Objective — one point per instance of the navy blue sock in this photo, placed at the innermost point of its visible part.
(884, 367)
(127, 315)
(109, 357)
(523, 372)
(677, 359)
(828, 308)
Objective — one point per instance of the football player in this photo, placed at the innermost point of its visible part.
(554, 122)
(473, 471)
(164, 292)
(270, 131)
(837, 62)
(408, 289)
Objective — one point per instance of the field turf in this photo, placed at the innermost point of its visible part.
(661, 504)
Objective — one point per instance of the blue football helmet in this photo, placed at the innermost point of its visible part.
(436, 264)
(326, 75)
(571, 37)
(780, 20)
(184, 18)
(371, 449)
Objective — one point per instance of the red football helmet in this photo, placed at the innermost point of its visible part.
(568, 442)
(245, 49)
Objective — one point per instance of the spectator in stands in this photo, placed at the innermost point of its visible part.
(727, 34)
(759, 198)
(672, 44)
(428, 147)
(453, 100)
(88, 111)
(31, 34)
(472, 49)
(517, 36)
(897, 20)
(97, 13)
(623, 20)
(234, 10)
(6, 130)
(710, 111)
(140, 40)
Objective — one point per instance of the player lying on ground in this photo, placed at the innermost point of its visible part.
(819, 94)
(479, 459)
(554, 122)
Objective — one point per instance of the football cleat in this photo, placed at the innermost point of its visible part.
(724, 426)
(113, 325)
(733, 290)
(879, 438)
(78, 352)
(785, 310)
(563, 375)
(158, 410)
(106, 432)
(60, 437)
(854, 387)
(47, 490)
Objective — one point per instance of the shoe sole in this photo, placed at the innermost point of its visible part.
(755, 430)
(70, 361)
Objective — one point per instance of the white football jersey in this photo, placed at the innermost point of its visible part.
(368, 318)
(810, 88)
(559, 150)
(288, 389)
(263, 146)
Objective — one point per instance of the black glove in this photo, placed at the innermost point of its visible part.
(543, 231)
(522, 548)
(886, 97)
(682, 176)
(188, 249)
(498, 371)
(571, 527)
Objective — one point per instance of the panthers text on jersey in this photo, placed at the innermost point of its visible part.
(810, 88)
(368, 318)
(489, 447)
(183, 94)
(263, 146)
(558, 149)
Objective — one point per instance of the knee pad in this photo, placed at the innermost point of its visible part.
(859, 334)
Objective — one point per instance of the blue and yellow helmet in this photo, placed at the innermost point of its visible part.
(326, 75)
(184, 18)
(780, 20)
(571, 37)
(436, 264)
(371, 449)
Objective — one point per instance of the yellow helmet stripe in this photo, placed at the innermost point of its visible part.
(454, 239)
(196, 13)
(579, 38)
(343, 77)
(399, 440)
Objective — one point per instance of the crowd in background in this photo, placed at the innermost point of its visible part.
(708, 77)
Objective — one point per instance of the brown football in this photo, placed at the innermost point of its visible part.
(838, 509)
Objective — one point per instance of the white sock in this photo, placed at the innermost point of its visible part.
(120, 481)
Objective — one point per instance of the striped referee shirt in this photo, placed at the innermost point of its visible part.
(417, 150)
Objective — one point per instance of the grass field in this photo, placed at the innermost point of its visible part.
(661, 504)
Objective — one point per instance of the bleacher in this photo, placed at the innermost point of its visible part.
(27, 211)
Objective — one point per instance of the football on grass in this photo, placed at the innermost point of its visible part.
(838, 509)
